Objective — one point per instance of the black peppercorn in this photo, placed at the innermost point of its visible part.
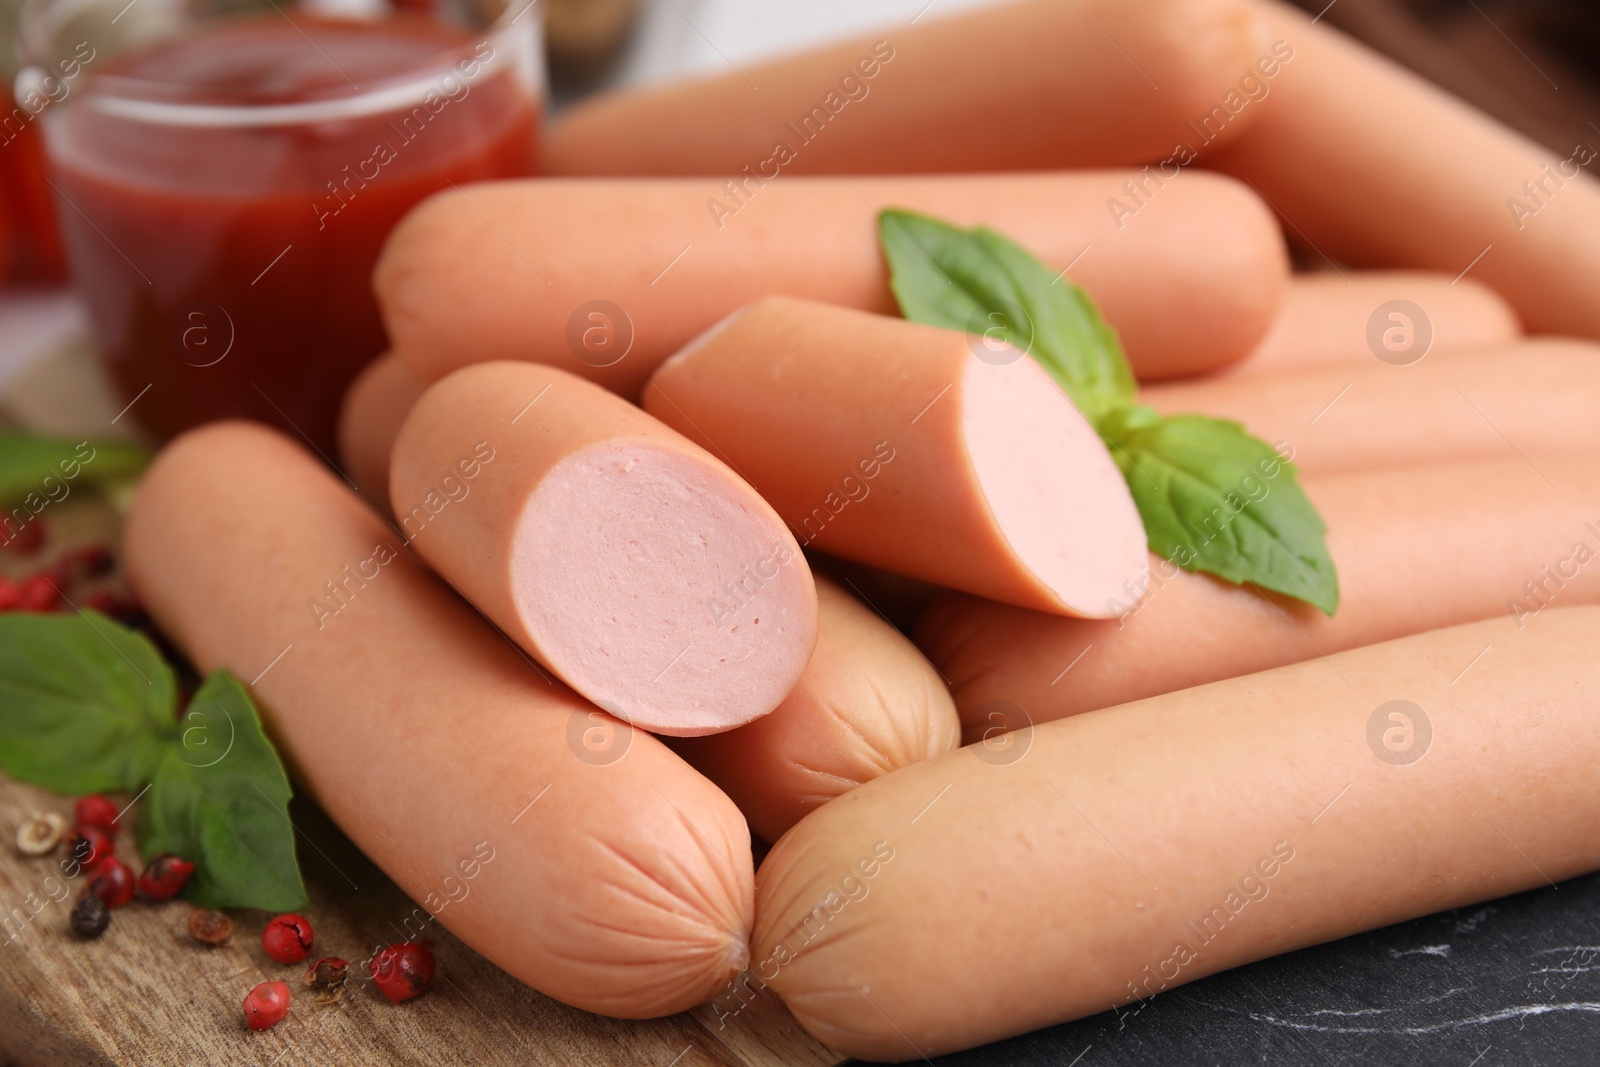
(90, 917)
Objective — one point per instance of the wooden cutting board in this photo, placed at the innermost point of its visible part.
(145, 993)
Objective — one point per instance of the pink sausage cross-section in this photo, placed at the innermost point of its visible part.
(625, 558)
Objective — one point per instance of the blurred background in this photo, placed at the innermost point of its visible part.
(1534, 64)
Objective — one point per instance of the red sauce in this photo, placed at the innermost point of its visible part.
(30, 250)
(227, 266)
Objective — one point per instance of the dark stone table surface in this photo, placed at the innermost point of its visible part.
(1513, 981)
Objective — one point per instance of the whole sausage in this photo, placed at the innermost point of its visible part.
(1127, 851)
(613, 878)
(867, 704)
(1024, 85)
(369, 419)
(625, 558)
(608, 278)
(1474, 404)
(1417, 548)
(1385, 315)
(899, 445)
(1373, 166)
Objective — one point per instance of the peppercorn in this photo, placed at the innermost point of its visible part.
(90, 917)
(86, 561)
(102, 600)
(88, 845)
(40, 834)
(402, 971)
(209, 927)
(287, 938)
(127, 611)
(112, 882)
(96, 810)
(266, 1005)
(38, 594)
(165, 876)
(27, 540)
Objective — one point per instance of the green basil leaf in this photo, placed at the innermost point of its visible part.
(43, 469)
(220, 799)
(85, 704)
(1193, 478)
(1213, 498)
(982, 282)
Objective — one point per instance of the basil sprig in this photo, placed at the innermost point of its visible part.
(88, 705)
(1213, 498)
(978, 281)
(34, 469)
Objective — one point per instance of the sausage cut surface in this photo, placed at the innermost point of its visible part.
(631, 562)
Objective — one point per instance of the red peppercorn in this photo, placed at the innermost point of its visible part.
(56, 573)
(102, 600)
(10, 594)
(37, 594)
(96, 810)
(402, 971)
(125, 610)
(266, 1005)
(287, 938)
(89, 845)
(27, 540)
(112, 882)
(87, 561)
(165, 876)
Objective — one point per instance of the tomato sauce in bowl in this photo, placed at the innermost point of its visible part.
(224, 195)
